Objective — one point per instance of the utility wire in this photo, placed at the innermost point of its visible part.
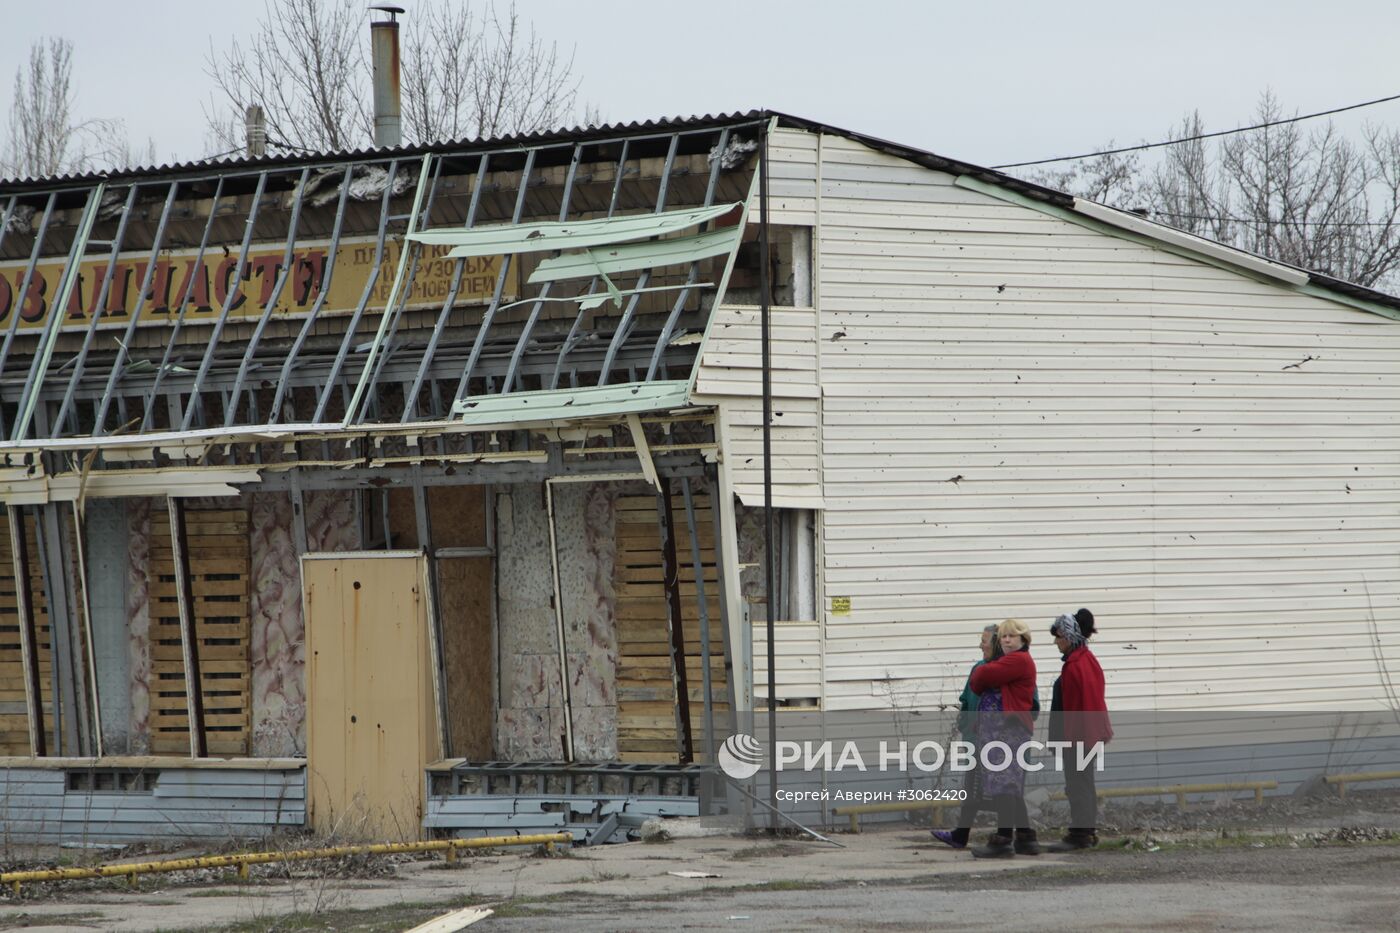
(1273, 220)
(1188, 139)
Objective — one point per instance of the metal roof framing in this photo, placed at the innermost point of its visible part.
(196, 346)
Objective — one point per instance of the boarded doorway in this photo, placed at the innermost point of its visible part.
(371, 726)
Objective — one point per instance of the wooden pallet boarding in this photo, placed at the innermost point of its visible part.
(220, 579)
(646, 693)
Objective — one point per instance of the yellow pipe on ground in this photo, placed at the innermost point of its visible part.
(1342, 780)
(242, 860)
(855, 811)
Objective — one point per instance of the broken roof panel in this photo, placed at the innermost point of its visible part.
(508, 239)
(572, 404)
(630, 257)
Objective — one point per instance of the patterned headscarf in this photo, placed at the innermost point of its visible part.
(1067, 627)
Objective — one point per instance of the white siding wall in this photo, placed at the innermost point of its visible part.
(1021, 416)
(731, 376)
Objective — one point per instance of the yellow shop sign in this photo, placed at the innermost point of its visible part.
(210, 284)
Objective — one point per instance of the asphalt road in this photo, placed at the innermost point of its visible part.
(1182, 891)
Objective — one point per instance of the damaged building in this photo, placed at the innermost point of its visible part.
(420, 489)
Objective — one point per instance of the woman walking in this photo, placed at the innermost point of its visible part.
(1078, 714)
(1007, 687)
(967, 727)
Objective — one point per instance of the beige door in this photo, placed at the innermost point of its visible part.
(370, 721)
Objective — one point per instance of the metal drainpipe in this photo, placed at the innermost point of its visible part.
(769, 556)
(384, 45)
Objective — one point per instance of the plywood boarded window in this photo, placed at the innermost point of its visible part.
(220, 571)
(646, 694)
(14, 712)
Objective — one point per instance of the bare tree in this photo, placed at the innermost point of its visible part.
(306, 65)
(1311, 199)
(45, 138)
(462, 75)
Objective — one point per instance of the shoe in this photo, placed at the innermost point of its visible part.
(946, 837)
(998, 846)
(1074, 842)
(1026, 842)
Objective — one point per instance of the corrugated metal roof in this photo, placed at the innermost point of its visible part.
(574, 134)
(584, 134)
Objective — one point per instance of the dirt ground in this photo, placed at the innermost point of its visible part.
(893, 880)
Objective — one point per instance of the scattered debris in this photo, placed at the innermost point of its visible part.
(1350, 834)
(657, 829)
(454, 921)
(693, 874)
(735, 153)
(22, 220)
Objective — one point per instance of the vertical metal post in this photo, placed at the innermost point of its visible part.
(99, 422)
(625, 324)
(559, 625)
(19, 295)
(78, 584)
(40, 365)
(702, 600)
(189, 644)
(572, 338)
(723, 582)
(99, 304)
(694, 275)
(28, 636)
(66, 692)
(410, 401)
(671, 581)
(373, 277)
(436, 641)
(232, 408)
(490, 314)
(769, 557)
(519, 351)
(196, 405)
(407, 249)
(179, 316)
(322, 290)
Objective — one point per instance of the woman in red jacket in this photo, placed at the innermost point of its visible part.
(1078, 714)
(1007, 687)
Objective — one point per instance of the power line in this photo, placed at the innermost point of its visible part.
(1189, 139)
(1275, 220)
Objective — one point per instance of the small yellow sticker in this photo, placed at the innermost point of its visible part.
(840, 605)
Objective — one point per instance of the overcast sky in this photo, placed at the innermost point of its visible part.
(986, 83)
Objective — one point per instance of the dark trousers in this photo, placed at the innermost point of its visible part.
(1011, 814)
(972, 803)
(1083, 799)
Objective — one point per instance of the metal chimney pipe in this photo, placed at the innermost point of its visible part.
(384, 46)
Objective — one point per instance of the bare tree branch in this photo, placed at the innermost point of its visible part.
(1318, 200)
(462, 75)
(44, 136)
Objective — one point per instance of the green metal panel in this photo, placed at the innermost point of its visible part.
(503, 239)
(650, 254)
(572, 404)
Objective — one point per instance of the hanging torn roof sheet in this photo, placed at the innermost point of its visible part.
(377, 288)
